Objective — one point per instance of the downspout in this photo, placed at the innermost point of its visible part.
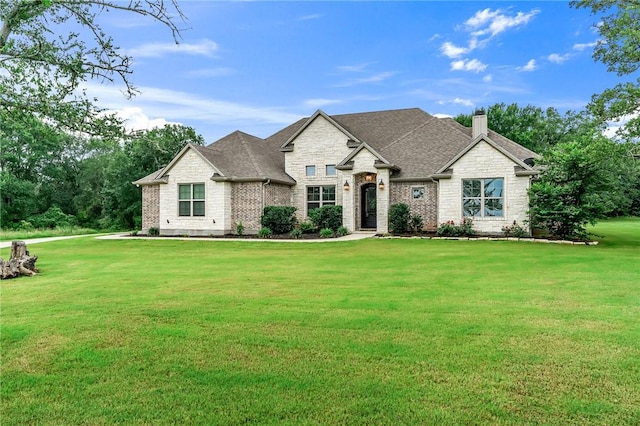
(264, 190)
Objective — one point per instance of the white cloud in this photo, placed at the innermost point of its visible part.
(487, 78)
(558, 59)
(375, 78)
(136, 119)
(452, 51)
(310, 17)
(354, 68)
(530, 66)
(465, 102)
(488, 22)
(153, 50)
(582, 46)
(320, 102)
(480, 18)
(614, 126)
(458, 101)
(176, 106)
(472, 65)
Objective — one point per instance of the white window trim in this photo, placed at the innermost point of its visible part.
(482, 217)
(191, 200)
(321, 201)
(306, 170)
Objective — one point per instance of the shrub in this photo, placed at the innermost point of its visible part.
(450, 229)
(25, 225)
(307, 227)
(52, 218)
(279, 219)
(342, 231)
(154, 232)
(399, 218)
(514, 230)
(265, 232)
(326, 233)
(327, 217)
(239, 228)
(416, 223)
(296, 233)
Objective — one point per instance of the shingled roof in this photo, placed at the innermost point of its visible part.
(416, 143)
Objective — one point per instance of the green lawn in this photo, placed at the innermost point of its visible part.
(364, 332)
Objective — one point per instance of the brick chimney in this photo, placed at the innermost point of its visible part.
(479, 124)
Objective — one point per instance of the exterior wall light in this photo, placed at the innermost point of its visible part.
(346, 185)
(381, 184)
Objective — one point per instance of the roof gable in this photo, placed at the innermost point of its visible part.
(476, 141)
(181, 154)
(288, 145)
(383, 162)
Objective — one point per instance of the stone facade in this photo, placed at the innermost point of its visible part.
(310, 160)
(481, 162)
(321, 144)
(425, 205)
(150, 207)
(192, 168)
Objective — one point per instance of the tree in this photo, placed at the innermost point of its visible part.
(43, 71)
(143, 153)
(533, 127)
(575, 189)
(619, 49)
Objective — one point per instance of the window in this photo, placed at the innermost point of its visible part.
(318, 196)
(191, 199)
(418, 192)
(330, 170)
(482, 197)
(310, 170)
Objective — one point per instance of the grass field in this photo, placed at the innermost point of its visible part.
(363, 332)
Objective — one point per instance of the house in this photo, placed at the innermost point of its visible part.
(364, 162)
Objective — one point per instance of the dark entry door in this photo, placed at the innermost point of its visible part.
(368, 206)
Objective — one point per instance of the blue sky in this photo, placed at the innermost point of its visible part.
(259, 66)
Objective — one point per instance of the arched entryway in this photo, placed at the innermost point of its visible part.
(368, 207)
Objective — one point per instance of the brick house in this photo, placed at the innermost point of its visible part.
(364, 162)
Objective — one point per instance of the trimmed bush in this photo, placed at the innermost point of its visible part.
(326, 233)
(450, 229)
(327, 217)
(307, 227)
(399, 218)
(279, 219)
(342, 231)
(265, 233)
(515, 230)
(416, 223)
(296, 233)
(154, 232)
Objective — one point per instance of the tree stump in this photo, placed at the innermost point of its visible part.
(19, 263)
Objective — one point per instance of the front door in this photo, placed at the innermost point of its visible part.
(368, 206)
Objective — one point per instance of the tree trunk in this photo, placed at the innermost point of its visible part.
(20, 262)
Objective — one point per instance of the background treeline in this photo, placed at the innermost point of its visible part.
(49, 177)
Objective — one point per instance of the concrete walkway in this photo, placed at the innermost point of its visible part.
(6, 244)
(125, 236)
(351, 237)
